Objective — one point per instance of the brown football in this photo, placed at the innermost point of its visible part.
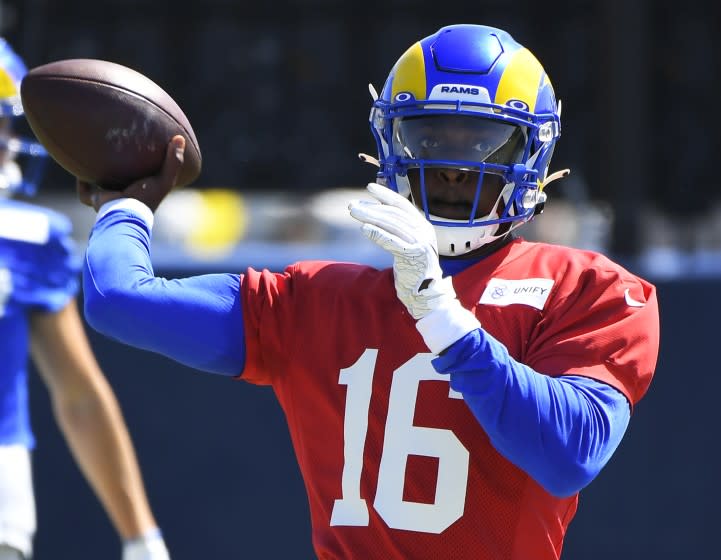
(105, 123)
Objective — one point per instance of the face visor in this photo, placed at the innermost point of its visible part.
(459, 141)
(459, 168)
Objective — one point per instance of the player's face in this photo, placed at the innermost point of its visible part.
(452, 147)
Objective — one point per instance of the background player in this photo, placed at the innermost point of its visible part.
(39, 273)
(546, 348)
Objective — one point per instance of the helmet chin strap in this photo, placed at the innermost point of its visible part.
(365, 158)
(374, 93)
(560, 174)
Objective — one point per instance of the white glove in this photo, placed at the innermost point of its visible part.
(149, 546)
(396, 225)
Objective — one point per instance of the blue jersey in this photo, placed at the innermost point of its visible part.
(39, 268)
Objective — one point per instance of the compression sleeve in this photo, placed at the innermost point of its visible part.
(560, 430)
(196, 321)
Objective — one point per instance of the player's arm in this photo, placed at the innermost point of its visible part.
(90, 418)
(560, 430)
(197, 321)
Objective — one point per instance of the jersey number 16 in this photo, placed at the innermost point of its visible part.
(402, 439)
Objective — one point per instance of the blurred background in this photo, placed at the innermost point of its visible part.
(277, 93)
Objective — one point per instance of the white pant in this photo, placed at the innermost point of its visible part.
(17, 502)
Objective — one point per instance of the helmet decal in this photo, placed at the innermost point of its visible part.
(520, 80)
(460, 91)
(408, 75)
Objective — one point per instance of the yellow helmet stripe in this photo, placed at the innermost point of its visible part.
(410, 73)
(7, 85)
(521, 79)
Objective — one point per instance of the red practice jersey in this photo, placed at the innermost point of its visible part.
(395, 465)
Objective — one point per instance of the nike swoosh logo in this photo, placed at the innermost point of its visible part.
(630, 301)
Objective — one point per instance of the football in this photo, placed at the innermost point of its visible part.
(105, 123)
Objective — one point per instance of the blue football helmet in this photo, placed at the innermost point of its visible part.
(15, 149)
(468, 99)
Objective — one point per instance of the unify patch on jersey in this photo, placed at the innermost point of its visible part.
(528, 291)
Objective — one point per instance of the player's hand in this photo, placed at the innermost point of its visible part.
(151, 190)
(396, 225)
(150, 546)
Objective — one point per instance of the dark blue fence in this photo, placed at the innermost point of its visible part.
(223, 480)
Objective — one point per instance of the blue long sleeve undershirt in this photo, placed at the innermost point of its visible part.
(196, 321)
(560, 430)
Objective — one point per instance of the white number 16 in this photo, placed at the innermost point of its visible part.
(402, 439)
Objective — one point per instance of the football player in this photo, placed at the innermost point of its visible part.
(39, 274)
(453, 405)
